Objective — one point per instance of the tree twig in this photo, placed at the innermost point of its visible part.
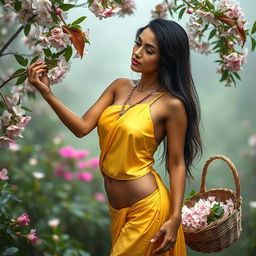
(13, 53)
(5, 103)
(14, 36)
(12, 77)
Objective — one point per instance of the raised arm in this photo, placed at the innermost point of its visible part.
(79, 126)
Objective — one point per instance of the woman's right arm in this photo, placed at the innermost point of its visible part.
(80, 126)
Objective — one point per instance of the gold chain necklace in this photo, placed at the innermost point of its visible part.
(122, 111)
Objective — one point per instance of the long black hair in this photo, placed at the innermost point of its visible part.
(175, 75)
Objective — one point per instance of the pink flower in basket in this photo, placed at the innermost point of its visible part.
(205, 211)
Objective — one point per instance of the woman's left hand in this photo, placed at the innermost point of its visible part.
(169, 229)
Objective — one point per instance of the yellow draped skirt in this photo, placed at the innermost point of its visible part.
(133, 227)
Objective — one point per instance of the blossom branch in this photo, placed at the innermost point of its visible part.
(59, 14)
(188, 4)
(12, 77)
(5, 102)
(13, 53)
(15, 35)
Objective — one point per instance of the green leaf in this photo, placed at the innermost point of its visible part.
(253, 28)
(90, 2)
(27, 109)
(2, 105)
(21, 79)
(66, 7)
(21, 60)
(237, 75)
(19, 71)
(68, 53)
(17, 5)
(31, 95)
(253, 43)
(191, 194)
(10, 251)
(47, 52)
(180, 6)
(224, 75)
(195, 3)
(34, 59)
(3, 2)
(119, 1)
(78, 21)
(209, 4)
(27, 29)
(76, 26)
(182, 12)
(233, 79)
(212, 33)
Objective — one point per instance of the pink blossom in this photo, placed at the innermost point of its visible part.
(160, 11)
(196, 216)
(32, 236)
(81, 153)
(211, 198)
(109, 12)
(6, 117)
(3, 174)
(23, 220)
(58, 39)
(4, 140)
(94, 162)
(24, 121)
(234, 61)
(85, 176)
(127, 7)
(14, 132)
(100, 197)
(68, 176)
(68, 152)
(18, 110)
(57, 74)
(96, 7)
(82, 164)
(14, 146)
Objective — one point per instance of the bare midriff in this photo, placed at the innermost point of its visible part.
(125, 193)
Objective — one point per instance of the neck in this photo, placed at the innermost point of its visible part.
(149, 81)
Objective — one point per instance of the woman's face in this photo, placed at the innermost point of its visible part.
(145, 54)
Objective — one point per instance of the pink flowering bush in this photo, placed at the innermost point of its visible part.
(58, 193)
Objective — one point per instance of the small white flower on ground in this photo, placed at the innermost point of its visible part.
(38, 175)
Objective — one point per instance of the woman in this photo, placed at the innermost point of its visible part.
(146, 216)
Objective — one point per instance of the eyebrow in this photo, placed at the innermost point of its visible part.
(149, 45)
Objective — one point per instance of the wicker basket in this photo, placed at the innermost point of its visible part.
(219, 234)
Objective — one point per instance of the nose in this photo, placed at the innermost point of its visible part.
(137, 52)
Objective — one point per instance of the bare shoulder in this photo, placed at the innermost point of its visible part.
(174, 106)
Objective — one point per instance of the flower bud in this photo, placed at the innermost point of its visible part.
(189, 10)
(58, 11)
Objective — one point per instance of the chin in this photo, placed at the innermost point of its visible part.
(135, 69)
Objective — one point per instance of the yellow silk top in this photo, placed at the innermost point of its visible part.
(127, 144)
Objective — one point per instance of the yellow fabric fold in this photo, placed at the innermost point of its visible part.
(133, 227)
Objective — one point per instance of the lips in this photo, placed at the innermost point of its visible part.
(135, 62)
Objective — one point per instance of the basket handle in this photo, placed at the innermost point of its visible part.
(232, 167)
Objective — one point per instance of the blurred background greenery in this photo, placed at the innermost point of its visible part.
(228, 120)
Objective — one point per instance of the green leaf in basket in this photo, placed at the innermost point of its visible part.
(190, 195)
(217, 212)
